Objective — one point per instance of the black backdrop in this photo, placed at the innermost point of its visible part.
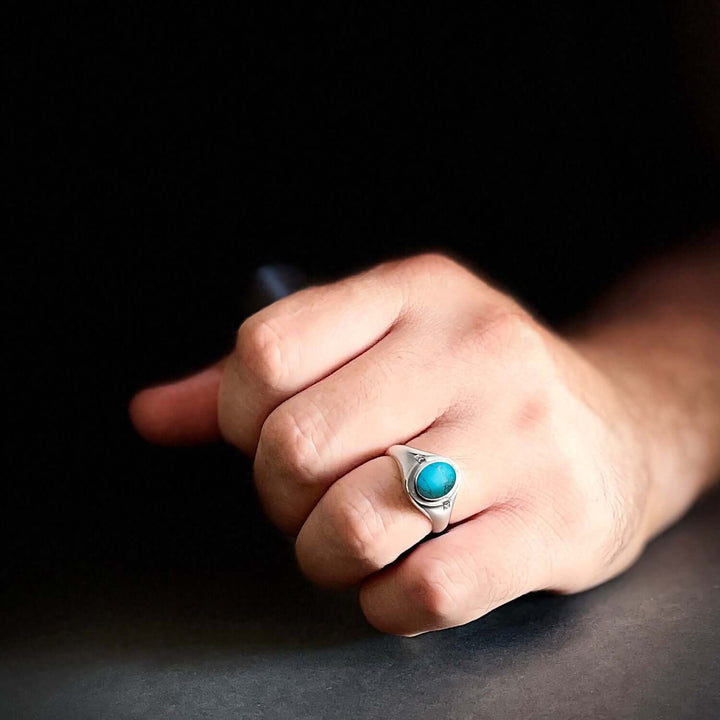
(159, 154)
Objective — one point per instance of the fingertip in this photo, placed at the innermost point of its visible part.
(146, 411)
(179, 413)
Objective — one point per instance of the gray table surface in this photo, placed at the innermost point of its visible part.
(259, 642)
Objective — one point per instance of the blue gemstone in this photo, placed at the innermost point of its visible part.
(435, 480)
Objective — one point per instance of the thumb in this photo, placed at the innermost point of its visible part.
(179, 413)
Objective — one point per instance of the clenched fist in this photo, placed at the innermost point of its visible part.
(558, 440)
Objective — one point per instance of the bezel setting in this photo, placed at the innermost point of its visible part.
(412, 462)
(421, 462)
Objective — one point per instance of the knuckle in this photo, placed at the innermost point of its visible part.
(432, 262)
(294, 441)
(413, 275)
(511, 335)
(259, 349)
(436, 272)
(509, 332)
(434, 592)
(360, 528)
(416, 267)
(534, 413)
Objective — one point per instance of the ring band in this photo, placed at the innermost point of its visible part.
(430, 481)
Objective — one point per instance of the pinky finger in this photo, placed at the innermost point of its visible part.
(457, 577)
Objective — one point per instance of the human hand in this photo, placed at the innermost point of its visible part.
(557, 491)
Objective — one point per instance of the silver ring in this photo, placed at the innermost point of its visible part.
(430, 481)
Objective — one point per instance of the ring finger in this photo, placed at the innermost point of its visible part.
(365, 520)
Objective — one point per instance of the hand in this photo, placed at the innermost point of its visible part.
(557, 490)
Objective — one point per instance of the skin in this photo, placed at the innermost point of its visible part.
(575, 450)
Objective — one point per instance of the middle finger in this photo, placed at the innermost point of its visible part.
(390, 393)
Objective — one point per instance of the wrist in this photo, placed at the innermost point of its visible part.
(657, 376)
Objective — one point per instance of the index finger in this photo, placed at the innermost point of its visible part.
(297, 341)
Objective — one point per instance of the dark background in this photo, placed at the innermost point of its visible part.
(158, 154)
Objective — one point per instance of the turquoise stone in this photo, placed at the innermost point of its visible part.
(435, 480)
